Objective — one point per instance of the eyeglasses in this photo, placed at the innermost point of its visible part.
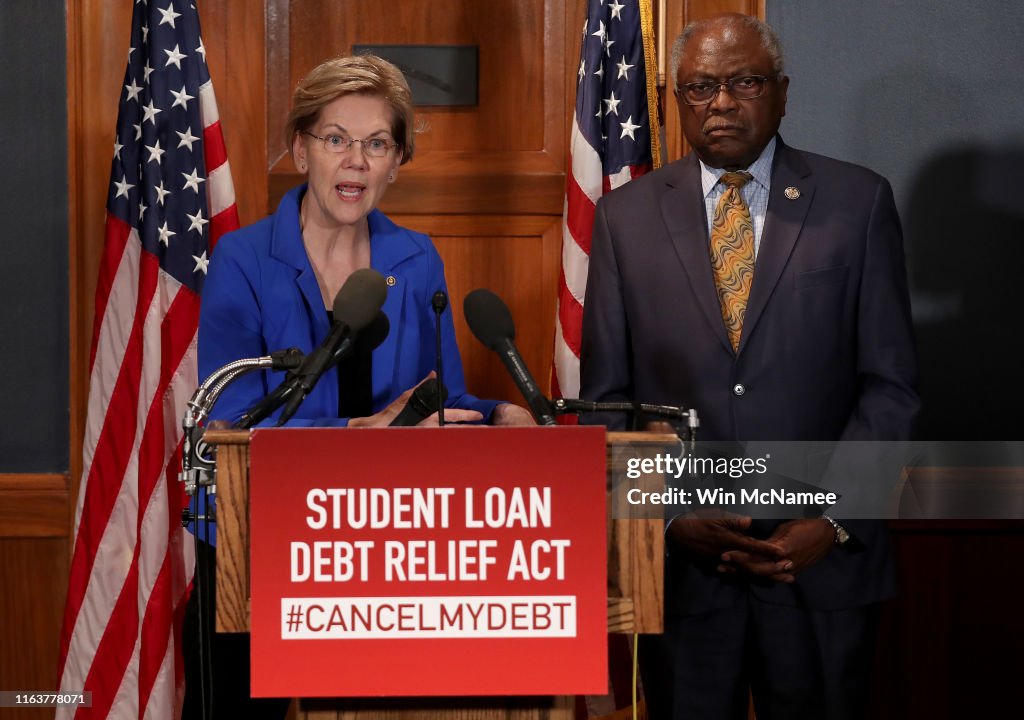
(373, 147)
(747, 87)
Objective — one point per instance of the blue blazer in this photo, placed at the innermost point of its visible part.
(261, 295)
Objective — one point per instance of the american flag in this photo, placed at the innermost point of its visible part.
(170, 199)
(610, 145)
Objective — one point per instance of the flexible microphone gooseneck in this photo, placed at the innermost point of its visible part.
(491, 322)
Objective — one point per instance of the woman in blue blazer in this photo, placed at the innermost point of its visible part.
(270, 286)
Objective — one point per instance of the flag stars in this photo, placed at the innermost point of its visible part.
(201, 263)
(146, 70)
(192, 181)
(174, 57)
(123, 187)
(161, 193)
(149, 112)
(608, 42)
(616, 9)
(182, 97)
(142, 210)
(117, 149)
(138, 131)
(624, 68)
(600, 71)
(155, 152)
(133, 91)
(627, 128)
(583, 69)
(145, 33)
(197, 221)
(612, 104)
(201, 49)
(187, 138)
(168, 15)
(601, 32)
(166, 234)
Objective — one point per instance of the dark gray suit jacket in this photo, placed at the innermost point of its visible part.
(826, 353)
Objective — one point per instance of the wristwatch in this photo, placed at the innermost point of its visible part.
(842, 536)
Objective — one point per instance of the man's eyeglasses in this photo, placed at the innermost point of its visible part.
(747, 87)
(373, 147)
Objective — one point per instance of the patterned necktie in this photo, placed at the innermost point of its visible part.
(732, 254)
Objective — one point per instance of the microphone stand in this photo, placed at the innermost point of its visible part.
(439, 302)
(198, 469)
(566, 406)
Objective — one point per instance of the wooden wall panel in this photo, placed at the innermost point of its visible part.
(517, 258)
(505, 155)
(33, 582)
(33, 506)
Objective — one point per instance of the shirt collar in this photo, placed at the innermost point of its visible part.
(761, 169)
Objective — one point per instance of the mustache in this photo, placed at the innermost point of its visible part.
(713, 125)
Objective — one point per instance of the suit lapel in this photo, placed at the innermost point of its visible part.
(682, 208)
(784, 220)
(286, 246)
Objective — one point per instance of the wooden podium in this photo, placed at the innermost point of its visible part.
(635, 588)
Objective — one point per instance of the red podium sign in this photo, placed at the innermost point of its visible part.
(454, 561)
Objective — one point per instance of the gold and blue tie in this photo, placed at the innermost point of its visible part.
(732, 254)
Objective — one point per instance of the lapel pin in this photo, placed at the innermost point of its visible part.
(792, 193)
(390, 280)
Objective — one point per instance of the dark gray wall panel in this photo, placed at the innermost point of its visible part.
(930, 95)
(33, 238)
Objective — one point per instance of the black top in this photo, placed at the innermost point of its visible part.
(355, 380)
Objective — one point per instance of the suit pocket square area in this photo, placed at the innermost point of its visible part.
(824, 276)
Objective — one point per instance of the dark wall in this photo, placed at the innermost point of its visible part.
(33, 238)
(929, 95)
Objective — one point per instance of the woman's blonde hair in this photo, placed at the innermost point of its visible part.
(354, 74)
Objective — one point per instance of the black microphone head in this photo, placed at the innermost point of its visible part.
(439, 302)
(360, 299)
(374, 333)
(424, 398)
(488, 317)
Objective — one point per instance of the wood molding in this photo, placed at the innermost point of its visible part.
(34, 506)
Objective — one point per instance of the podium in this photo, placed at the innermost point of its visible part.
(635, 552)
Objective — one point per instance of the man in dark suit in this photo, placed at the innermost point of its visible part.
(766, 288)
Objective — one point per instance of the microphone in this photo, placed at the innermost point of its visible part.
(491, 322)
(422, 404)
(289, 359)
(439, 302)
(355, 307)
(372, 336)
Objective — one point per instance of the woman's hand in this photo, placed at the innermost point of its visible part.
(509, 414)
(385, 417)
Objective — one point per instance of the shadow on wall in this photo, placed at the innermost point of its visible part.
(963, 231)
